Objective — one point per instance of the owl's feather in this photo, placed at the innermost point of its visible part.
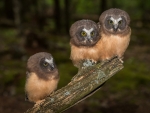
(113, 45)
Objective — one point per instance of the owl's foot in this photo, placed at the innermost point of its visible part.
(121, 60)
(89, 62)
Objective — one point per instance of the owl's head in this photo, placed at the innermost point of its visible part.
(42, 64)
(84, 33)
(114, 21)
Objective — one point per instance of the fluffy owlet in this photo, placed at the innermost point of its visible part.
(42, 77)
(115, 33)
(84, 37)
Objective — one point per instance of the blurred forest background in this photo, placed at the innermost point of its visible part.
(30, 26)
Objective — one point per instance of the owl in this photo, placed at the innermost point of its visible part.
(115, 33)
(42, 77)
(84, 37)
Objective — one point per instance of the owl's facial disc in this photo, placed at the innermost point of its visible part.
(51, 63)
(115, 24)
(84, 33)
(88, 36)
(47, 64)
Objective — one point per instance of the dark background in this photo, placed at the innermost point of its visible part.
(30, 26)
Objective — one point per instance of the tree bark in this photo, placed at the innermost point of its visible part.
(67, 17)
(103, 5)
(17, 19)
(84, 84)
(57, 15)
(8, 8)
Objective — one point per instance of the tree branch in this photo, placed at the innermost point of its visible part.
(83, 85)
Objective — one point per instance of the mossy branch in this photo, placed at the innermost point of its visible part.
(83, 85)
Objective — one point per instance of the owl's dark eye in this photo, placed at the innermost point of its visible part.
(92, 33)
(120, 22)
(83, 33)
(45, 64)
(110, 22)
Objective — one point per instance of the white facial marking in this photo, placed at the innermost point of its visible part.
(119, 19)
(115, 21)
(50, 61)
(88, 31)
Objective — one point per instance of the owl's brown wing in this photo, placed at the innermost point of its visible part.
(99, 25)
(26, 97)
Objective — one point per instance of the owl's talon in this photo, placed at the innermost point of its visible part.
(121, 60)
(89, 62)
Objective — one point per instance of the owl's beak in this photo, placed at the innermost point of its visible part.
(115, 27)
(51, 67)
(89, 39)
